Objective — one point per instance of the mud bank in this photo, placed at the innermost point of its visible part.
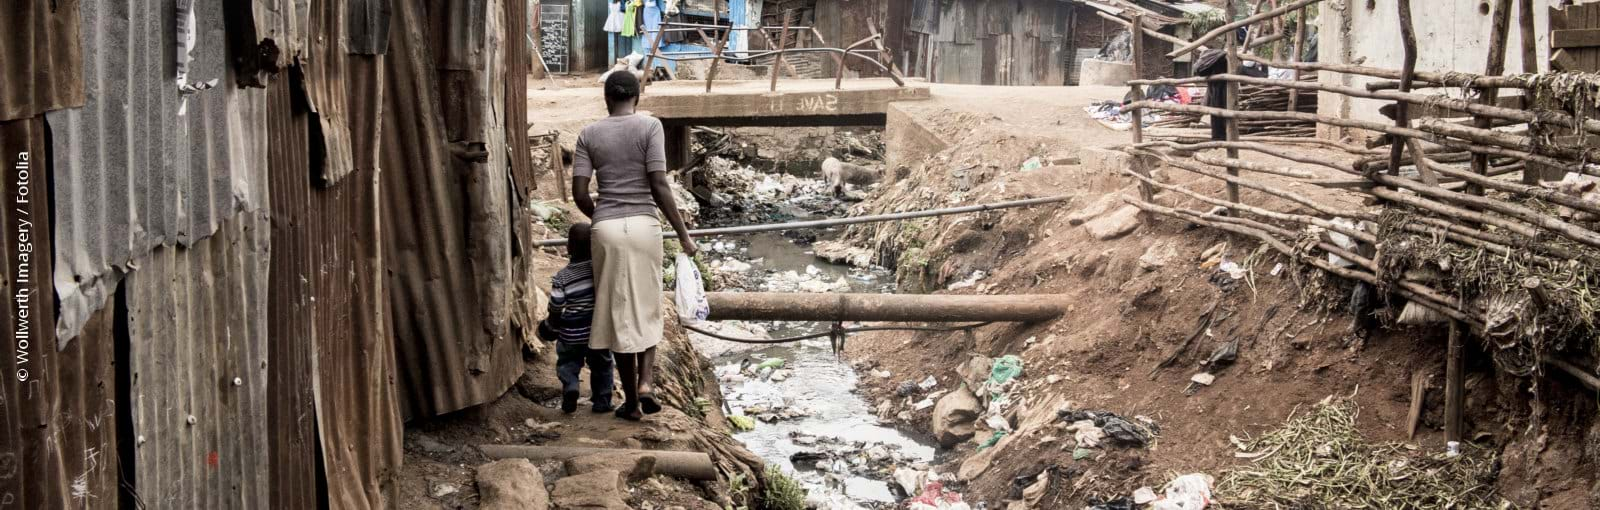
(1201, 340)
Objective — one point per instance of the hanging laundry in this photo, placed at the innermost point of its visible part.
(613, 17)
(630, 16)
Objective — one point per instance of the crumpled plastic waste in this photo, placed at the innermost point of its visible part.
(1120, 431)
(992, 440)
(1086, 434)
(1187, 492)
(773, 363)
(742, 423)
(934, 497)
(1005, 369)
(1121, 503)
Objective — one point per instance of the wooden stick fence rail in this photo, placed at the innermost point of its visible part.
(878, 55)
(1458, 173)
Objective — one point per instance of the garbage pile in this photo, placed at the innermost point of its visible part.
(875, 461)
(754, 394)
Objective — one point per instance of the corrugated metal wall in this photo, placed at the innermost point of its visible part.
(132, 173)
(1006, 42)
(166, 272)
(450, 328)
(42, 55)
(198, 329)
(57, 414)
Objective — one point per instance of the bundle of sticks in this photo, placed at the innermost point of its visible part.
(1261, 98)
(1464, 240)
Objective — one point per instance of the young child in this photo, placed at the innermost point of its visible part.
(571, 310)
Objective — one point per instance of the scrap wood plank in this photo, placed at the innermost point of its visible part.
(1575, 38)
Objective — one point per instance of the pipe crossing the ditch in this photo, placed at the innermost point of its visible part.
(835, 222)
(775, 306)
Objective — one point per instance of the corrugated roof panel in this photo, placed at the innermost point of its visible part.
(447, 359)
(57, 414)
(324, 83)
(132, 173)
(265, 37)
(198, 356)
(42, 56)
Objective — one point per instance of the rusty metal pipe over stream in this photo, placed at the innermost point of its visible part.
(779, 306)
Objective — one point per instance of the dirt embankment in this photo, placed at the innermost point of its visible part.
(1150, 302)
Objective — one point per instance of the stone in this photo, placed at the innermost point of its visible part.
(975, 371)
(953, 417)
(1093, 210)
(431, 445)
(511, 484)
(1105, 72)
(1157, 256)
(595, 490)
(635, 467)
(1116, 224)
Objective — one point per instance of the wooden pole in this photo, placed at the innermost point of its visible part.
(1157, 35)
(1530, 46)
(1231, 124)
(1299, 49)
(1455, 383)
(649, 63)
(1490, 96)
(801, 306)
(1402, 110)
(1136, 31)
(883, 53)
(777, 63)
(722, 43)
(1230, 27)
(681, 464)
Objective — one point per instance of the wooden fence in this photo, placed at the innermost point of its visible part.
(1465, 226)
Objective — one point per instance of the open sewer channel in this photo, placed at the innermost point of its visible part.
(799, 397)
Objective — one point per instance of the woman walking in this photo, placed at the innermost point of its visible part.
(625, 153)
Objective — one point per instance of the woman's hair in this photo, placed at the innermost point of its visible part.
(622, 86)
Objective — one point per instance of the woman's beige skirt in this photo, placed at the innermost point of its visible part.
(627, 272)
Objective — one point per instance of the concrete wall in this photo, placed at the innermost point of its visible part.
(1451, 35)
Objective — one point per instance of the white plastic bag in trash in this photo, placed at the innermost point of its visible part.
(692, 305)
(1187, 492)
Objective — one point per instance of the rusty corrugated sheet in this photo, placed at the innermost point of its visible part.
(333, 361)
(515, 49)
(198, 354)
(450, 351)
(265, 37)
(41, 58)
(57, 414)
(367, 27)
(131, 173)
(291, 413)
(325, 77)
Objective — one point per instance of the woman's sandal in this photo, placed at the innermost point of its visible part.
(648, 403)
(629, 411)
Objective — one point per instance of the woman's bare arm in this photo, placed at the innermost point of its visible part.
(581, 197)
(662, 191)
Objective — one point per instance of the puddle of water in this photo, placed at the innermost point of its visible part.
(836, 419)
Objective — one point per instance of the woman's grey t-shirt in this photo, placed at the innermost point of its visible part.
(620, 152)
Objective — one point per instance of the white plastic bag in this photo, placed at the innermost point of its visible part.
(692, 305)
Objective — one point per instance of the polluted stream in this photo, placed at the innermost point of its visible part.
(797, 401)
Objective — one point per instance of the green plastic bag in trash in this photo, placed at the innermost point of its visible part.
(1005, 368)
(772, 363)
(742, 423)
(992, 440)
